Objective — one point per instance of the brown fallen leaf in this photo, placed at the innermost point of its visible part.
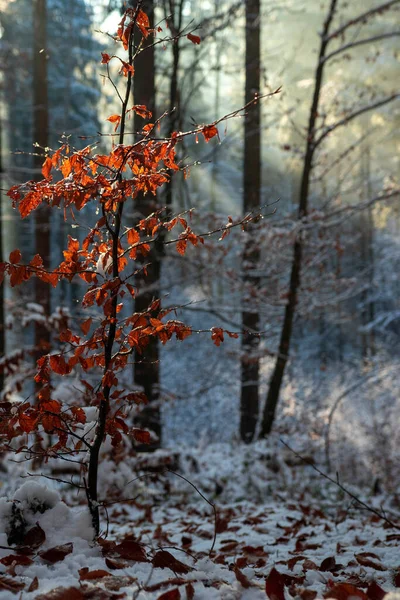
(84, 573)
(165, 560)
(364, 559)
(274, 585)
(57, 553)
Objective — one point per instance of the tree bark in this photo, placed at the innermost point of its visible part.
(294, 284)
(249, 361)
(2, 324)
(40, 137)
(147, 370)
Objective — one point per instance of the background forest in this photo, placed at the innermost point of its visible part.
(309, 287)
(346, 325)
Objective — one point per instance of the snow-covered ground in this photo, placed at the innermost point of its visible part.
(264, 526)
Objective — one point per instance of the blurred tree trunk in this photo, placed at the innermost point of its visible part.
(250, 362)
(367, 257)
(146, 370)
(294, 284)
(40, 137)
(2, 324)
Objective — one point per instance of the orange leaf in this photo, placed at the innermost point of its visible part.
(217, 335)
(133, 236)
(115, 119)
(142, 21)
(195, 39)
(181, 246)
(86, 326)
(46, 168)
(15, 257)
(29, 203)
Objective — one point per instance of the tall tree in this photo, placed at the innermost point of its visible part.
(250, 363)
(41, 138)
(316, 134)
(2, 324)
(146, 369)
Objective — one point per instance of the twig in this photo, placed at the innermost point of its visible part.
(336, 481)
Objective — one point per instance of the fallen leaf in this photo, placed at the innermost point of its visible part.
(62, 593)
(131, 550)
(274, 585)
(34, 585)
(57, 553)
(343, 591)
(84, 573)
(34, 537)
(165, 560)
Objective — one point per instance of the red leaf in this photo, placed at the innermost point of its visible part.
(165, 560)
(105, 58)
(62, 593)
(58, 365)
(209, 131)
(18, 559)
(170, 595)
(274, 585)
(375, 592)
(343, 591)
(131, 550)
(217, 335)
(27, 422)
(15, 257)
(57, 553)
(195, 39)
(142, 436)
(34, 537)
(79, 414)
(189, 589)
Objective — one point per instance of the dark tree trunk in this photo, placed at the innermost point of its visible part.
(40, 137)
(249, 400)
(2, 329)
(147, 371)
(294, 284)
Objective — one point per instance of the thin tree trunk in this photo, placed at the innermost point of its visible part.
(250, 362)
(2, 329)
(147, 370)
(40, 136)
(367, 257)
(294, 284)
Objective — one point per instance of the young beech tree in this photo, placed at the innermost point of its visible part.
(105, 262)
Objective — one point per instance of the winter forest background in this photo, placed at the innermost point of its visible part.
(338, 401)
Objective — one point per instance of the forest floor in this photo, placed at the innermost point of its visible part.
(234, 523)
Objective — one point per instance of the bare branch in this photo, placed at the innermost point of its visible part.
(362, 17)
(370, 40)
(354, 115)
